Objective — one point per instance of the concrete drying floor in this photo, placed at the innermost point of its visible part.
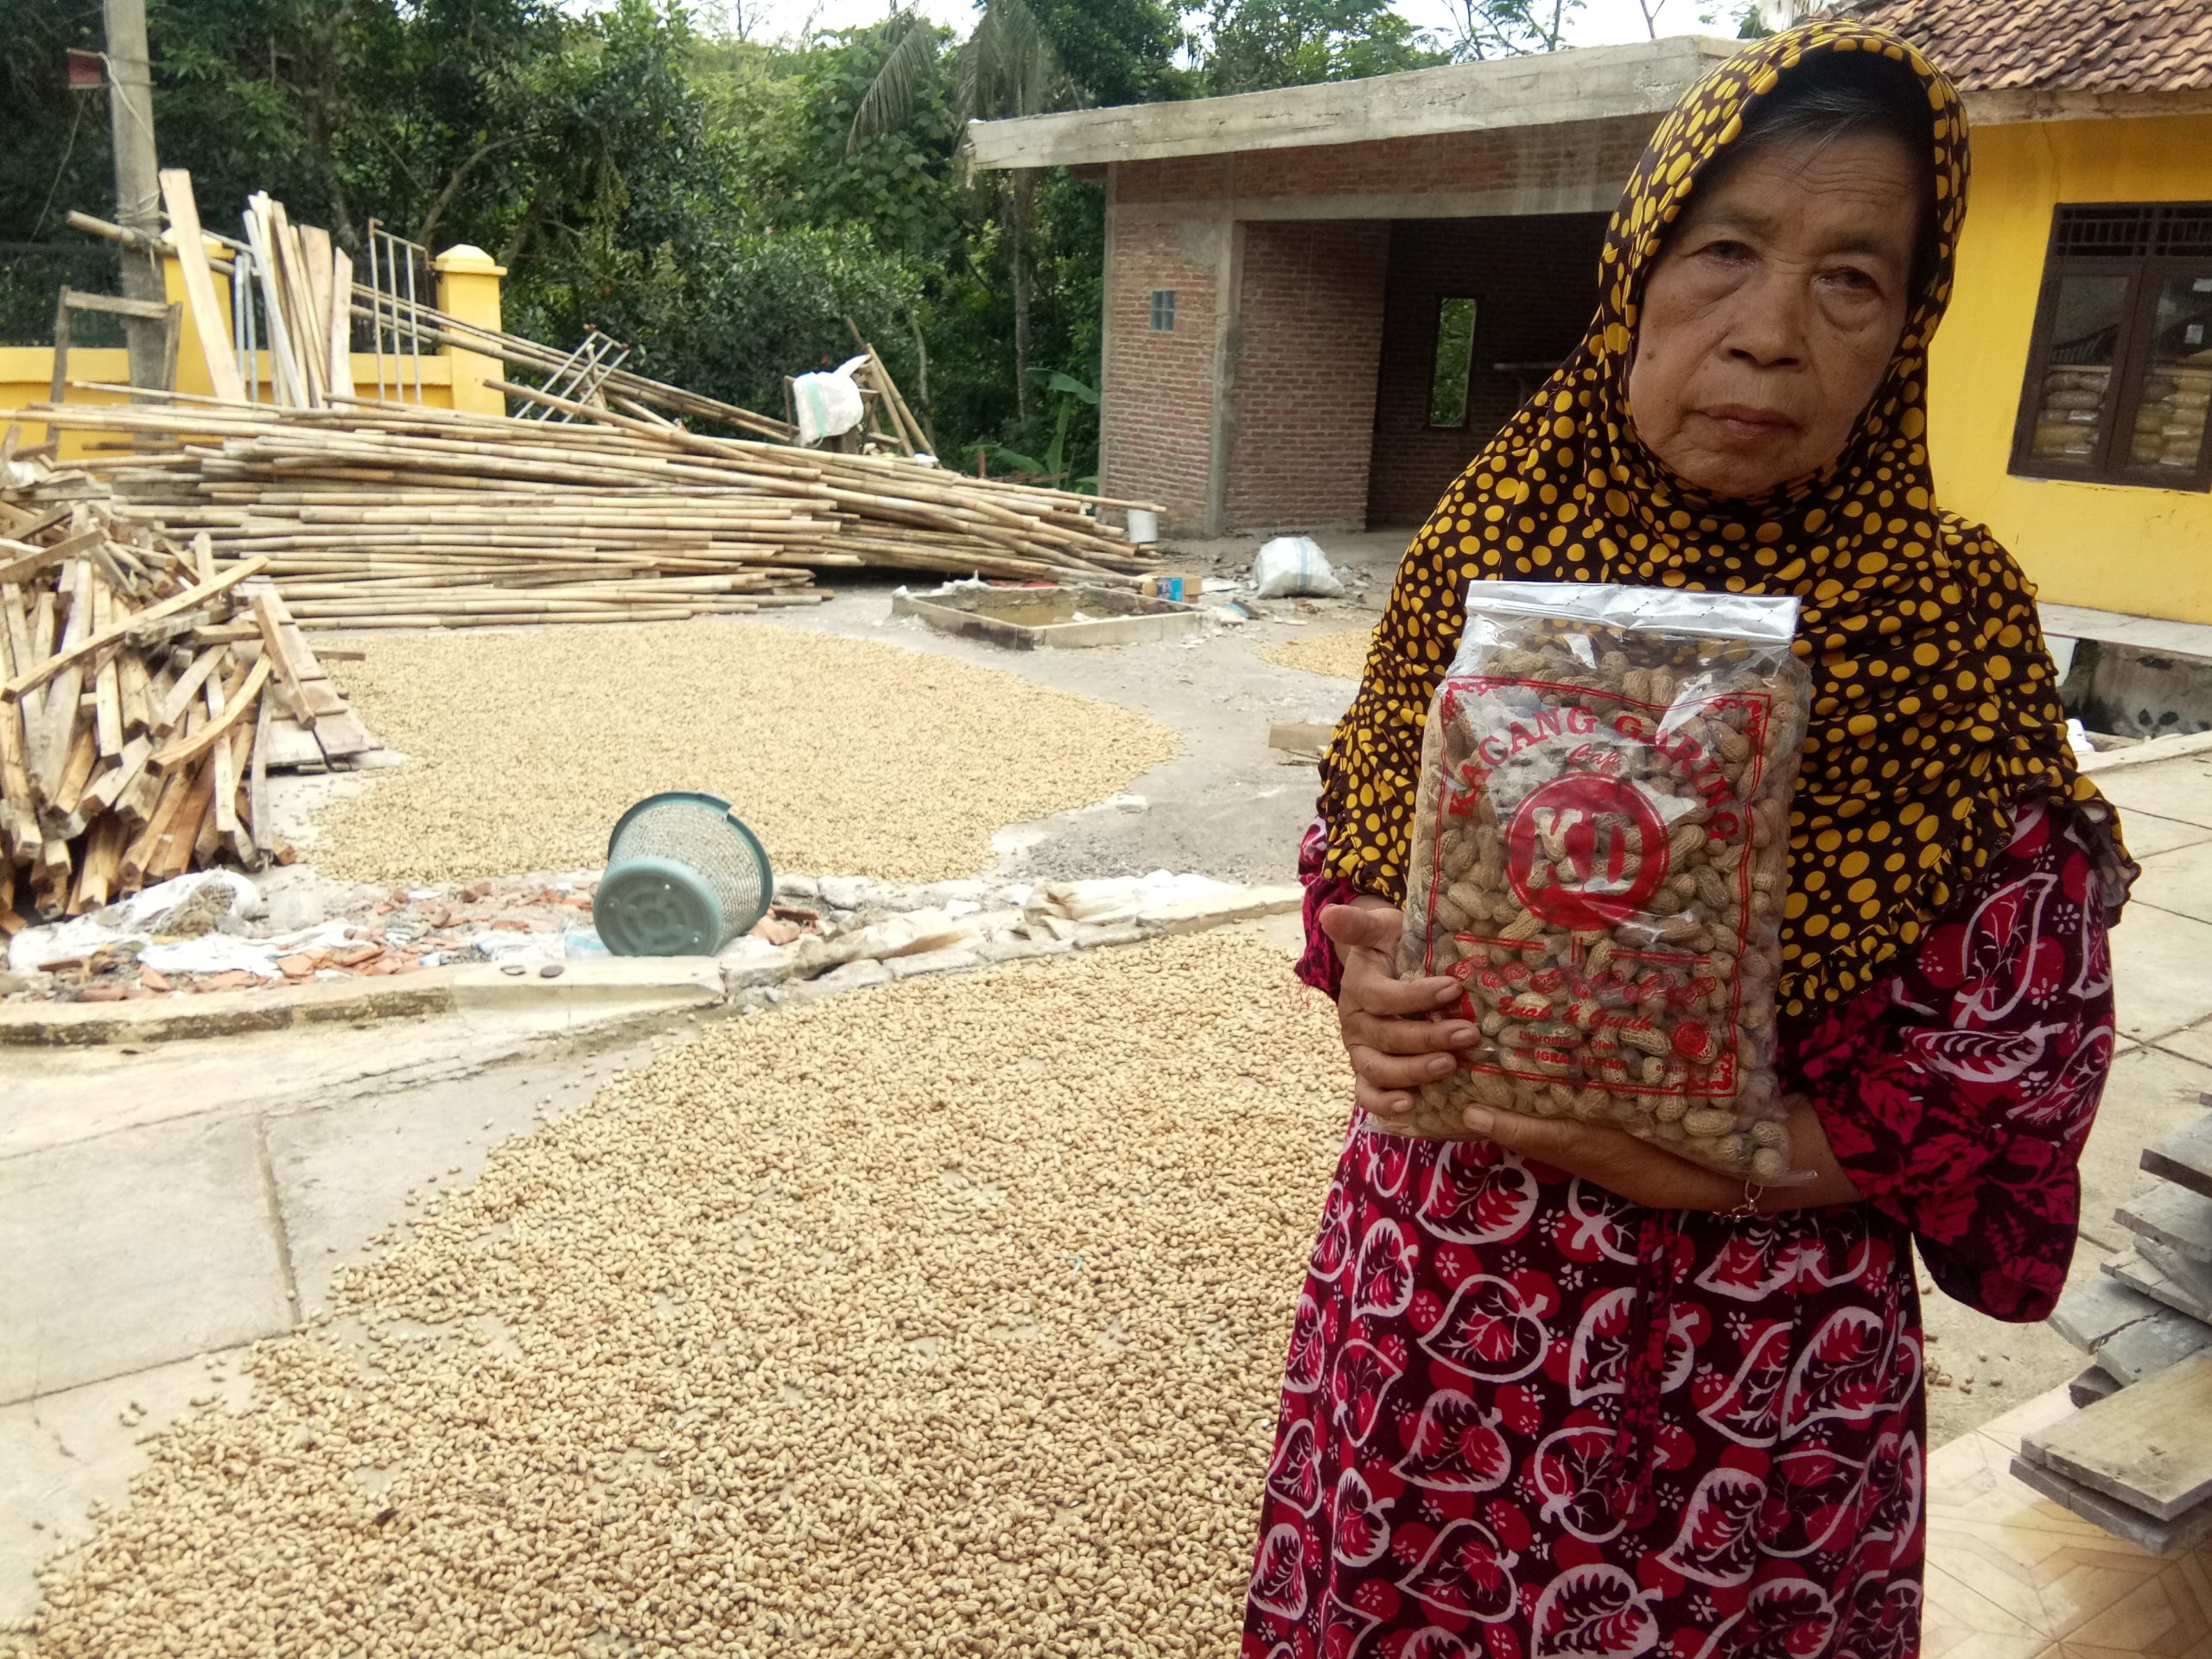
(305, 1154)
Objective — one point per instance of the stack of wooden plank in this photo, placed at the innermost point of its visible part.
(382, 515)
(131, 752)
(2136, 1458)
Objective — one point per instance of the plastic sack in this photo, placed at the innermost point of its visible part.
(1292, 565)
(1600, 855)
(829, 404)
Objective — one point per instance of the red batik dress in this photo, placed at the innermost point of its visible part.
(1525, 1419)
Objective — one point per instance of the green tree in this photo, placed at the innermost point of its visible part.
(1252, 45)
(1481, 29)
(1008, 70)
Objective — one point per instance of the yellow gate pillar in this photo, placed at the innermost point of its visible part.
(468, 288)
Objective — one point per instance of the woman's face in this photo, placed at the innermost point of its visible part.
(1769, 318)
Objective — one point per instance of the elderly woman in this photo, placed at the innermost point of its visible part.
(1551, 1391)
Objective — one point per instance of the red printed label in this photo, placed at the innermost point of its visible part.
(1585, 851)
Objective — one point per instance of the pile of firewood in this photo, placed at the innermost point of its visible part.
(133, 748)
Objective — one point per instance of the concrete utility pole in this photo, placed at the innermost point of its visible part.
(137, 187)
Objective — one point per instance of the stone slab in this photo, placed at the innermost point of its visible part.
(222, 1014)
(593, 987)
(135, 1249)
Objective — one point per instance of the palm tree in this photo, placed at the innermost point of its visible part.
(1007, 68)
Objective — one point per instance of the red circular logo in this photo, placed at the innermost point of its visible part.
(1599, 844)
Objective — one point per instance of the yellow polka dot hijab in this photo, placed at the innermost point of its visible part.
(1935, 702)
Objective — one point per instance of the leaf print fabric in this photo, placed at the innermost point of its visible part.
(1524, 1419)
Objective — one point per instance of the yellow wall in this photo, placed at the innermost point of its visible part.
(2117, 548)
(468, 287)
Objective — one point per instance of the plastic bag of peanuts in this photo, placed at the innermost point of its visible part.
(1600, 855)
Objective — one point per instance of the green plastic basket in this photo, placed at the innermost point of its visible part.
(685, 877)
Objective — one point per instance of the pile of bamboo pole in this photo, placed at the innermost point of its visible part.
(385, 515)
(130, 751)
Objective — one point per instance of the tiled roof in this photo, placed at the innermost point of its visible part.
(2087, 46)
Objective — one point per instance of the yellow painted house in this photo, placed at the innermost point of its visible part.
(2069, 385)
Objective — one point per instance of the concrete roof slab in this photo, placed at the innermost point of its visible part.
(1590, 84)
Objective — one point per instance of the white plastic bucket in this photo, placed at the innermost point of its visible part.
(1144, 527)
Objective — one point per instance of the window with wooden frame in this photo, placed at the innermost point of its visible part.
(2119, 370)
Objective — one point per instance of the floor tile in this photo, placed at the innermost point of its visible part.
(2148, 835)
(2165, 1617)
(1970, 1481)
(2151, 1093)
(2179, 880)
(2192, 1042)
(1955, 1618)
(1999, 1563)
(2157, 962)
(2180, 788)
(2109, 1594)
(2043, 1411)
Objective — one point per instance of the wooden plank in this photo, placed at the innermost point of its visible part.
(54, 731)
(2184, 1157)
(290, 747)
(137, 692)
(30, 564)
(2174, 1216)
(2092, 1384)
(210, 320)
(191, 748)
(2123, 1521)
(341, 367)
(107, 683)
(190, 597)
(256, 788)
(2150, 1346)
(2193, 1278)
(174, 701)
(2146, 1446)
(2146, 1279)
(108, 787)
(2093, 1310)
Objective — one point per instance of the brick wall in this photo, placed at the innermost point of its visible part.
(1157, 403)
(1309, 335)
(1558, 155)
(1535, 282)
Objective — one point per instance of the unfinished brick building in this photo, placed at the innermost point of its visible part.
(1320, 302)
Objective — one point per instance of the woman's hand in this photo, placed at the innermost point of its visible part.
(1645, 1173)
(1395, 1044)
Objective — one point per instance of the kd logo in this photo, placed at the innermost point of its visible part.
(1600, 847)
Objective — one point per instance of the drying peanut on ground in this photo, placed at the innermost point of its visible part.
(1342, 655)
(1601, 856)
(942, 1319)
(844, 755)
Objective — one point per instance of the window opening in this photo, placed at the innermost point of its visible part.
(1455, 361)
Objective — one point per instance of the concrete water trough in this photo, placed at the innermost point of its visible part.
(1025, 617)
